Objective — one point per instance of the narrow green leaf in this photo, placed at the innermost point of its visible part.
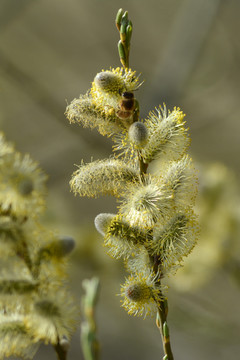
(128, 35)
(165, 330)
(121, 51)
(119, 18)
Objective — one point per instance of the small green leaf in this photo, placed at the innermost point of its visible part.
(165, 330)
(119, 18)
(121, 51)
(125, 18)
(128, 35)
(123, 29)
(158, 320)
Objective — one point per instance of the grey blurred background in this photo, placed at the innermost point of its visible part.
(188, 53)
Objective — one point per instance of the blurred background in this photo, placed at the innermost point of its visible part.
(188, 53)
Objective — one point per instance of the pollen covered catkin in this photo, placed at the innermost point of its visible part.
(36, 306)
(106, 177)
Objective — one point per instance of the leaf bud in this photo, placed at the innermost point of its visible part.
(102, 222)
(123, 28)
(58, 248)
(138, 133)
(128, 35)
(121, 51)
(158, 320)
(119, 18)
(125, 17)
(67, 244)
(165, 330)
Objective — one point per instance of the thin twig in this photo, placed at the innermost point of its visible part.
(161, 323)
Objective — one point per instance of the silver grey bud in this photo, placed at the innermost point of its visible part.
(102, 221)
(108, 81)
(138, 133)
(67, 244)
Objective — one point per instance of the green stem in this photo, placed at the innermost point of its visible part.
(89, 341)
(161, 322)
(124, 48)
(126, 65)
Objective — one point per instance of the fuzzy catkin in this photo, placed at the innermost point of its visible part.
(106, 177)
(32, 261)
(168, 138)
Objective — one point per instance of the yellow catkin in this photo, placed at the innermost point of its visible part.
(106, 177)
